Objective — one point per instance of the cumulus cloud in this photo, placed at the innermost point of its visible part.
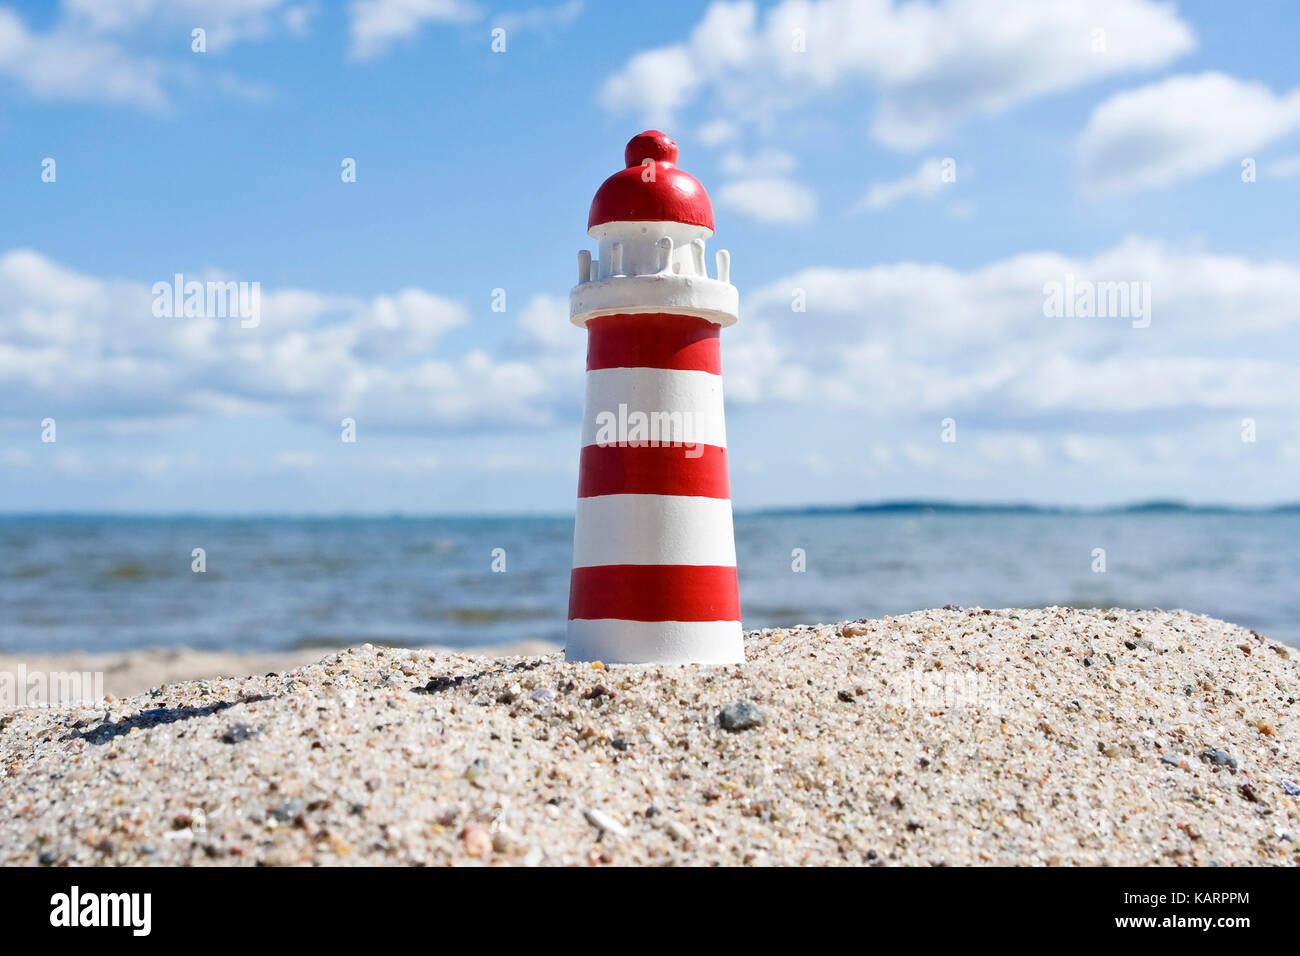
(909, 339)
(717, 132)
(225, 21)
(64, 64)
(932, 65)
(654, 84)
(768, 162)
(69, 341)
(1180, 128)
(92, 51)
(926, 181)
(375, 25)
(770, 199)
(763, 191)
(894, 348)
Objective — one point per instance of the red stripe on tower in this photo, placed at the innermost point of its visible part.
(653, 341)
(654, 564)
(655, 592)
(653, 470)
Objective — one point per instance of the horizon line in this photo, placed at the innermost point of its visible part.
(883, 506)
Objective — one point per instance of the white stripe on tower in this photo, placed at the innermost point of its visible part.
(664, 642)
(680, 395)
(653, 529)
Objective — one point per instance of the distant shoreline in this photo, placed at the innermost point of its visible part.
(888, 506)
(924, 506)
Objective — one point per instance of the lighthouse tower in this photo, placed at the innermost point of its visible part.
(654, 555)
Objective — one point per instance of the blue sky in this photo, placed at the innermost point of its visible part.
(1101, 140)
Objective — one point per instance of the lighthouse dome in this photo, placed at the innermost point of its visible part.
(662, 193)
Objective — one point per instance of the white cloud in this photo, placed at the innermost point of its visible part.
(1088, 450)
(770, 199)
(545, 322)
(933, 65)
(1179, 128)
(654, 84)
(763, 190)
(375, 25)
(894, 347)
(63, 64)
(408, 323)
(883, 354)
(1010, 449)
(224, 21)
(539, 18)
(925, 181)
(768, 162)
(93, 50)
(717, 132)
(909, 339)
(77, 342)
(297, 20)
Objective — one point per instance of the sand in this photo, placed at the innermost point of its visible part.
(953, 736)
(135, 672)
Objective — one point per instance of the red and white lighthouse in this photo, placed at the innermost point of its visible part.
(654, 555)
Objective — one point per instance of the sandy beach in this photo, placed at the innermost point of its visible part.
(956, 736)
(135, 672)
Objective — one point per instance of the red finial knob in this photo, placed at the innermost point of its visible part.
(651, 144)
(660, 192)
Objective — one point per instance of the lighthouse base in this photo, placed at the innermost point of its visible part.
(655, 642)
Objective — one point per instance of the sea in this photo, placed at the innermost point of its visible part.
(114, 583)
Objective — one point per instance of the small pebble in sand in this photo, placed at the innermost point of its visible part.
(678, 831)
(476, 773)
(287, 811)
(238, 733)
(741, 715)
(1220, 758)
(1291, 787)
(477, 841)
(604, 822)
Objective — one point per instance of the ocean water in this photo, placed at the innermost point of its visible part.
(114, 583)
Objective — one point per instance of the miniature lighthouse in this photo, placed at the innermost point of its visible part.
(654, 555)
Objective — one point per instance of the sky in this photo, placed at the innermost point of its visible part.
(907, 190)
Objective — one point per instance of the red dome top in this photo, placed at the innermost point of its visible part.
(662, 194)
